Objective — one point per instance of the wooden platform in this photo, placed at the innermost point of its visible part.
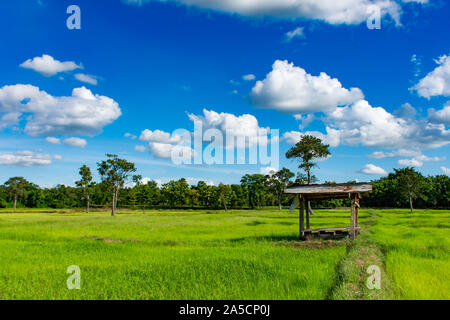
(329, 233)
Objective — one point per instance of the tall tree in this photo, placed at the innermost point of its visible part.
(85, 183)
(224, 195)
(115, 172)
(277, 181)
(308, 149)
(16, 187)
(409, 184)
(254, 185)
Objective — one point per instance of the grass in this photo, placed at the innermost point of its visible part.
(244, 254)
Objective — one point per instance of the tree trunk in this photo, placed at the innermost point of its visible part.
(87, 203)
(116, 196)
(279, 202)
(15, 203)
(310, 209)
(411, 204)
(113, 209)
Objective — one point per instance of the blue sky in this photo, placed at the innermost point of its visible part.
(378, 97)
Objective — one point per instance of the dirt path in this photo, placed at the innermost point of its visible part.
(351, 273)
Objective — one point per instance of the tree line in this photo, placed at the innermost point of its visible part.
(119, 186)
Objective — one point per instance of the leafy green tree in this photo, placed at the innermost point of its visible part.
(115, 172)
(85, 183)
(255, 187)
(277, 181)
(410, 184)
(308, 149)
(16, 187)
(224, 195)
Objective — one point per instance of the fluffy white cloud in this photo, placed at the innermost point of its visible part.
(249, 77)
(83, 113)
(87, 78)
(445, 170)
(373, 169)
(244, 128)
(437, 82)
(370, 126)
(9, 119)
(160, 136)
(296, 33)
(53, 140)
(406, 111)
(440, 116)
(268, 171)
(48, 66)
(333, 12)
(75, 142)
(27, 159)
(362, 124)
(418, 160)
(398, 153)
(291, 89)
(168, 151)
(140, 148)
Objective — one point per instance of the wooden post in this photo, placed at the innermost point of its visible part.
(307, 214)
(357, 211)
(352, 217)
(301, 217)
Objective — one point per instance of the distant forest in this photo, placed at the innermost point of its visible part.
(254, 191)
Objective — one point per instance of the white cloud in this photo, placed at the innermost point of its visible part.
(9, 119)
(406, 111)
(140, 148)
(398, 153)
(417, 1)
(160, 136)
(87, 78)
(305, 120)
(53, 140)
(296, 33)
(373, 169)
(195, 181)
(440, 116)
(291, 89)
(130, 135)
(268, 171)
(445, 170)
(243, 127)
(370, 126)
(48, 66)
(333, 12)
(362, 124)
(75, 142)
(27, 159)
(167, 151)
(418, 160)
(83, 113)
(437, 82)
(249, 77)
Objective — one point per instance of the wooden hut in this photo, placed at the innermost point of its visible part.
(317, 192)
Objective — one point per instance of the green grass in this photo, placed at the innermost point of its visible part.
(244, 254)
(416, 248)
